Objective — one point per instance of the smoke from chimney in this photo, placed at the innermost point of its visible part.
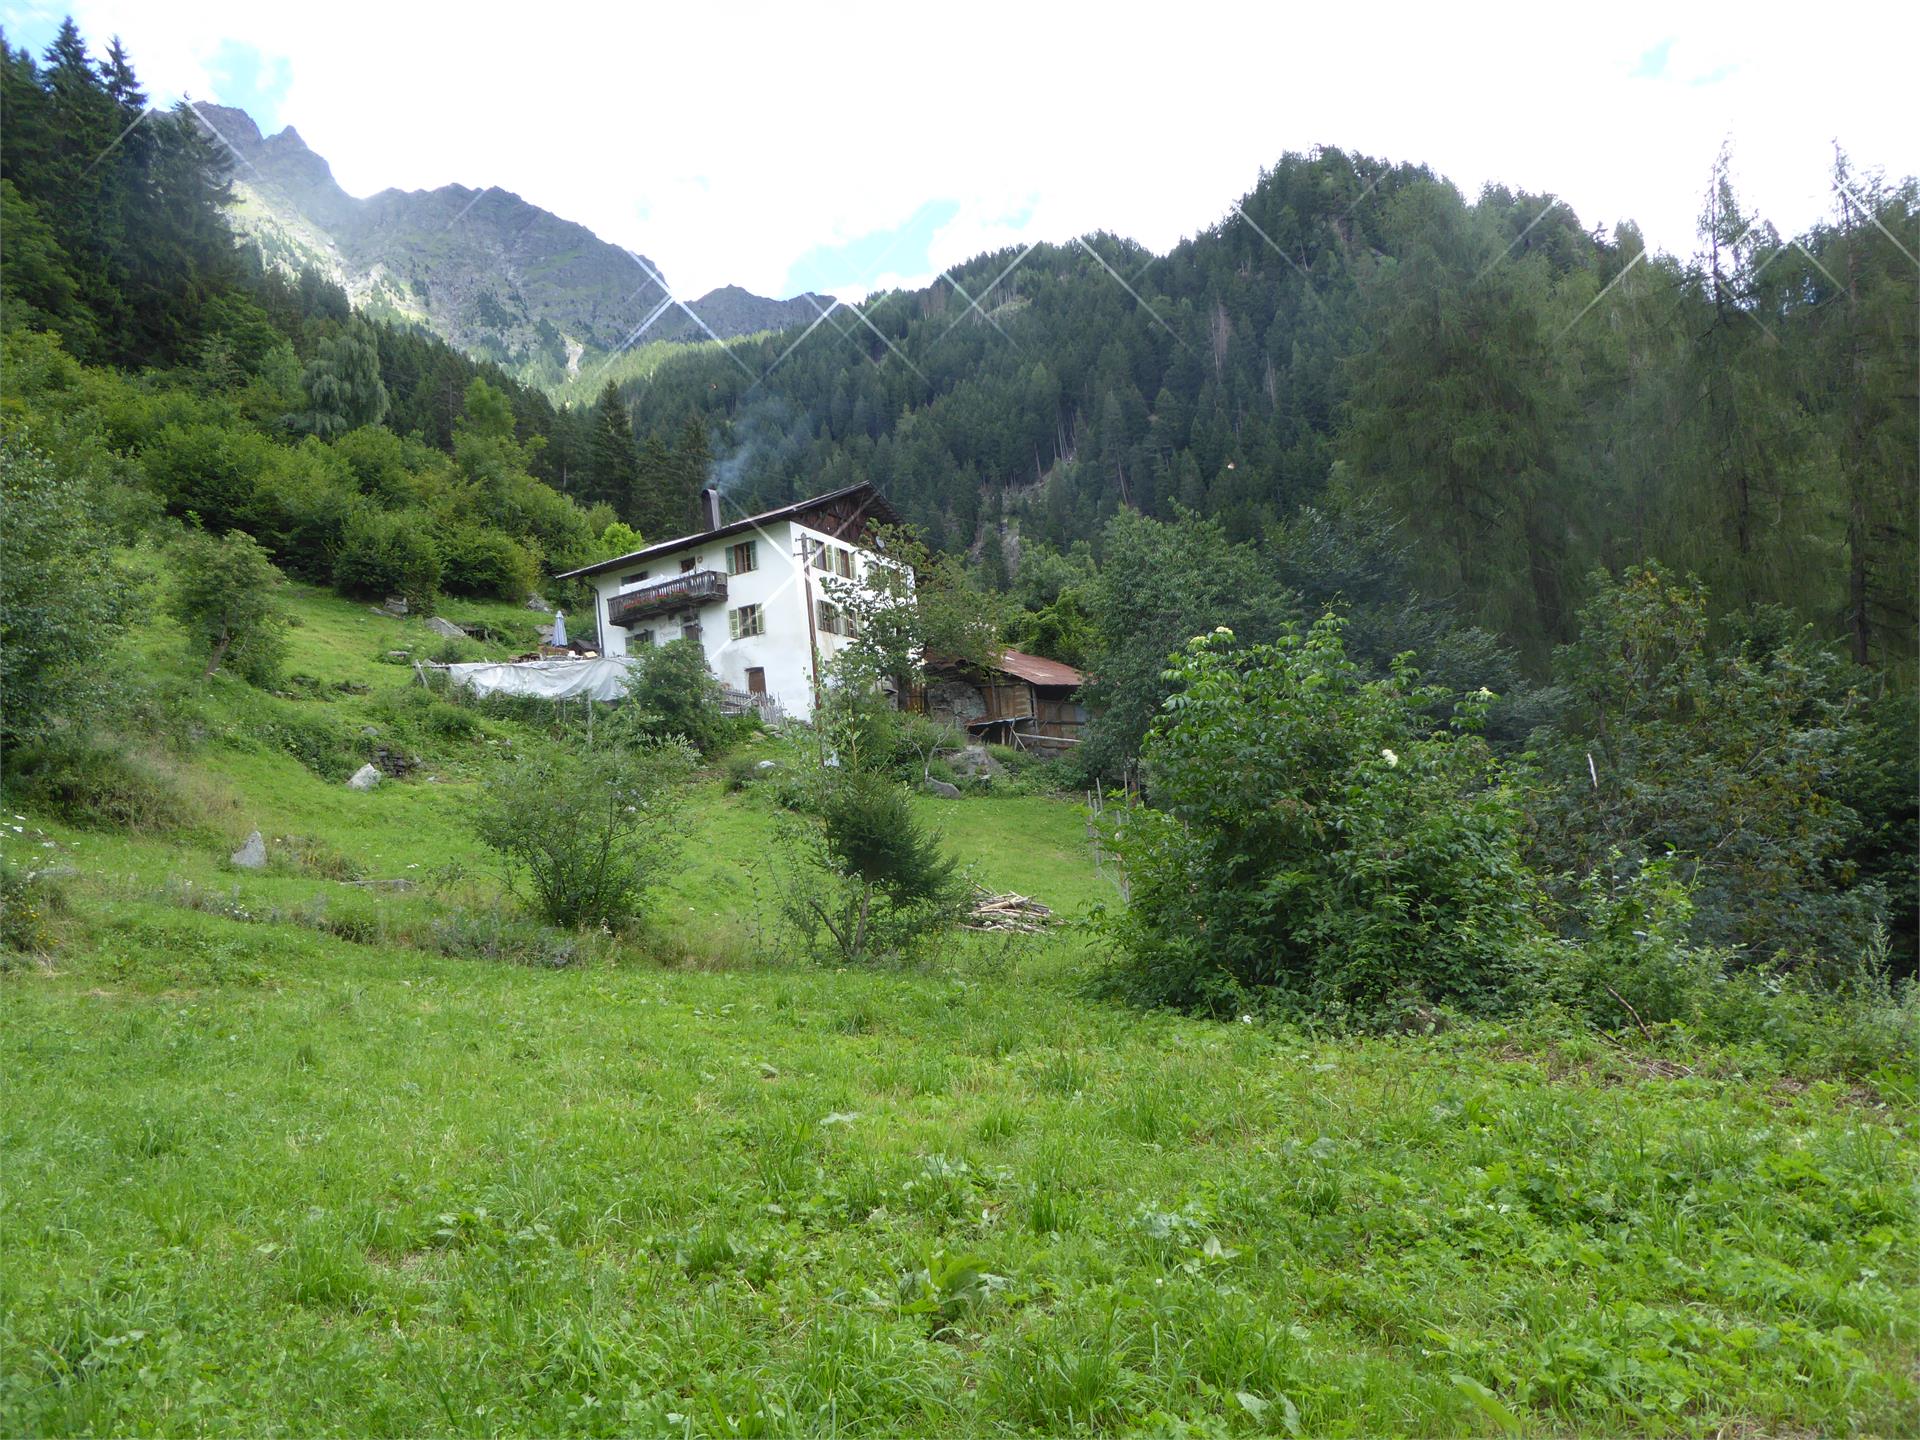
(710, 507)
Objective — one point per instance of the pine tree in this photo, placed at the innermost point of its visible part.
(1459, 415)
(653, 482)
(1747, 516)
(692, 469)
(1871, 356)
(613, 466)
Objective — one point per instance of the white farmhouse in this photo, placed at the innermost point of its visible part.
(751, 591)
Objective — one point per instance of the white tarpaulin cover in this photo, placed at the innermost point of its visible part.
(545, 679)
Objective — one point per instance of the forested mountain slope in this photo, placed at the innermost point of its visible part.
(1524, 399)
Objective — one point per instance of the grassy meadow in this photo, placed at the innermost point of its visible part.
(340, 1148)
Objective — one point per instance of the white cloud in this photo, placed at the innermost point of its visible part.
(724, 142)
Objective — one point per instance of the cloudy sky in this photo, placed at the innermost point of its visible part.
(847, 148)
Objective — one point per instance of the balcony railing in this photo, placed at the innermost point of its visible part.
(682, 592)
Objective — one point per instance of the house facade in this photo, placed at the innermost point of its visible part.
(752, 591)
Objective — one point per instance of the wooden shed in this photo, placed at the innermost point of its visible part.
(1022, 700)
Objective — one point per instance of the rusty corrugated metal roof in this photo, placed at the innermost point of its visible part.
(1036, 671)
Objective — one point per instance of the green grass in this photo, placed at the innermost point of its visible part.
(256, 1178)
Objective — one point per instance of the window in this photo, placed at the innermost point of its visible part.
(832, 620)
(821, 560)
(843, 563)
(743, 557)
(686, 565)
(745, 620)
(641, 637)
(635, 578)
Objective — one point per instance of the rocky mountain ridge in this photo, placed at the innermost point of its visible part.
(484, 269)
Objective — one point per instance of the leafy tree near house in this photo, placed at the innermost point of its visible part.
(226, 595)
(671, 694)
(911, 603)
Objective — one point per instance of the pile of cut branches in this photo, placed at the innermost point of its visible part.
(1006, 912)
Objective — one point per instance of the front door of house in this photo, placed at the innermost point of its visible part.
(756, 680)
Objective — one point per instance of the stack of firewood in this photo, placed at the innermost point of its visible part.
(1007, 912)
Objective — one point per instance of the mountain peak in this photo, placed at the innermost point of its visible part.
(230, 124)
(483, 268)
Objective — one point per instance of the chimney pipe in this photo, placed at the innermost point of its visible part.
(710, 506)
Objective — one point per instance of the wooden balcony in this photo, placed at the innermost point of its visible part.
(682, 592)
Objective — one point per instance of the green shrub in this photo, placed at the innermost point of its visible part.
(208, 471)
(1313, 845)
(1029, 774)
(671, 693)
(99, 782)
(423, 717)
(31, 904)
(742, 771)
(479, 561)
(1632, 967)
(311, 856)
(587, 836)
(856, 723)
(388, 553)
(913, 742)
(384, 467)
(1735, 755)
(63, 599)
(329, 748)
(455, 650)
(859, 724)
(493, 936)
(301, 503)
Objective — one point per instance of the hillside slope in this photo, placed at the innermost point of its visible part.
(305, 1144)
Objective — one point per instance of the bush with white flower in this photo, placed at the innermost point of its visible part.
(1313, 843)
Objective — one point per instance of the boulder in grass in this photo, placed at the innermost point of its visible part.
(252, 855)
(942, 789)
(973, 760)
(446, 628)
(365, 778)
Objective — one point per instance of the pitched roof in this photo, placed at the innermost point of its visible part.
(872, 502)
(1036, 671)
